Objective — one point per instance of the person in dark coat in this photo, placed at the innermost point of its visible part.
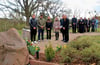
(65, 26)
(78, 25)
(81, 25)
(74, 24)
(93, 24)
(49, 26)
(61, 28)
(33, 29)
(88, 25)
(85, 24)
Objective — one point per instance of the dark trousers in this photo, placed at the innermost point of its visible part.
(66, 35)
(81, 28)
(57, 35)
(74, 28)
(61, 30)
(41, 33)
(93, 28)
(48, 34)
(88, 28)
(33, 33)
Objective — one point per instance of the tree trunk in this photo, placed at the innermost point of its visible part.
(27, 21)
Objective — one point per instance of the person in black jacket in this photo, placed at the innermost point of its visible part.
(85, 24)
(61, 28)
(65, 27)
(88, 25)
(81, 25)
(74, 24)
(93, 24)
(33, 29)
(49, 27)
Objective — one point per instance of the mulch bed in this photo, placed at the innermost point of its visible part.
(58, 59)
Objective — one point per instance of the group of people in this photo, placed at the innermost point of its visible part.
(47, 24)
(62, 25)
(84, 25)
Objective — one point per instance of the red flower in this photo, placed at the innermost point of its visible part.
(31, 44)
(29, 41)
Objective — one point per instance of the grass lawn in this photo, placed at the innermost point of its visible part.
(94, 39)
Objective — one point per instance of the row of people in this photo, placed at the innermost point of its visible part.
(84, 25)
(41, 24)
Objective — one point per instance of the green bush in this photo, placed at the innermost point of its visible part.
(68, 54)
(83, 49)
(81, 44)
(49, 53)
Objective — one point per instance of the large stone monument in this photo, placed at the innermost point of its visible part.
(13, 49)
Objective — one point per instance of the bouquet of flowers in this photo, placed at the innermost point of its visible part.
(31, 47)
(37, 48)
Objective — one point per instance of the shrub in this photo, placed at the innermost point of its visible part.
(67, 54)
(81, 44)
(82, 49)
(49, 53)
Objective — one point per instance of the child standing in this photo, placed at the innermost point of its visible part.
(56, 27)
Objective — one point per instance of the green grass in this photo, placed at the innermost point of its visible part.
(95, 39)
(6, 24)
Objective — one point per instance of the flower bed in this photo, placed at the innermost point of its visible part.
(77, 52)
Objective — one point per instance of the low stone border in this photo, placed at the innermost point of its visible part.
(35, 62)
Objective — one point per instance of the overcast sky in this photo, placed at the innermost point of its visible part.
(83, 5)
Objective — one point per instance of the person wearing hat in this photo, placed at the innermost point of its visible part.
(33, 29)
(41, 26)
(56, 26)
(65, 27)
(74, 24)
(48, 27)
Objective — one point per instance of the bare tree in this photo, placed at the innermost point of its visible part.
(77, 12)
(23, 7)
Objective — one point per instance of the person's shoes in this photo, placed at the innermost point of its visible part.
(65, 41)
(35, 42)
(32, 43)
(62, 40)
(38, 40)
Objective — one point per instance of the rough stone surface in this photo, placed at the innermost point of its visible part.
(13, 49)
